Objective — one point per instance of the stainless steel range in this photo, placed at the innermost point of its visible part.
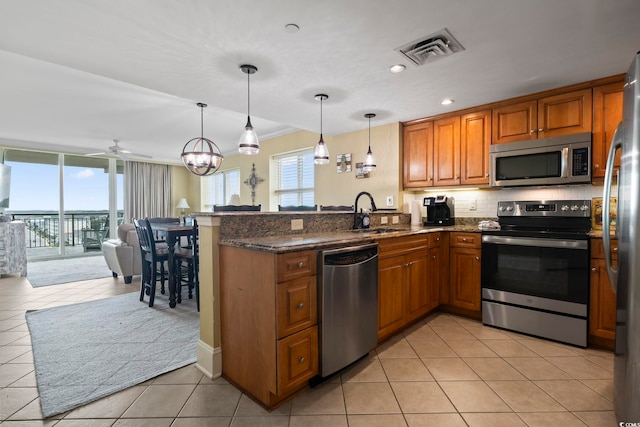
(535, 269)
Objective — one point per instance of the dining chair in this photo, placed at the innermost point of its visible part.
(342, 208)
(153, 260)
(298, 208)
(229, 208)
(186, 266)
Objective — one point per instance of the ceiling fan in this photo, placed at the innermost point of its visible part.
(117, 151)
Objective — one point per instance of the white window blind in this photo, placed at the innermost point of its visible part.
(294, 178)
(219, 188)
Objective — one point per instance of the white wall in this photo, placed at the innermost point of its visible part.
(487, 199)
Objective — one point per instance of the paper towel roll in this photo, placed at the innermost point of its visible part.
(416, 212)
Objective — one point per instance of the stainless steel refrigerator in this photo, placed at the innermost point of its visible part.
(625, 279)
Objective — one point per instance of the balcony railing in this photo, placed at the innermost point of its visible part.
(42, 228)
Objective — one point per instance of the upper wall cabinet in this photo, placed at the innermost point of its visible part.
(417, 155)
(449, 151)
(607, 113)
(475, 140)
(555, 115)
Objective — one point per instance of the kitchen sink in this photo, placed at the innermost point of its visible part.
(375, 230)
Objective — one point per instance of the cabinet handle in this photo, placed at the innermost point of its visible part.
(477, 258)
(437, 239)
(486, 175)
(457, 177)
(429, 179)
(301, 360)
(615, 249)
(433, 257)
(594, 269)
(301, 306)
(464, 239)
(596, 166)
(532, 131)
(541, 130)
(300, 264)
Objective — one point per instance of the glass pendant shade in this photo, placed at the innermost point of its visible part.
(201, 156)
(321, 152)
(370, 161)
(248, 143)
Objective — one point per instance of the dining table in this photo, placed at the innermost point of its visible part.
(172, 233)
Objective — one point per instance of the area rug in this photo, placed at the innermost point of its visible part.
(86, 351)
(55, 272)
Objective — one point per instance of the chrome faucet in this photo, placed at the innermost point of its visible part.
(357, 217)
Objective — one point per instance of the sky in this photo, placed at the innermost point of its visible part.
(36, 187)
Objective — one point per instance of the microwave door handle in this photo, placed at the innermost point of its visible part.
(565, 162)
(616, 144)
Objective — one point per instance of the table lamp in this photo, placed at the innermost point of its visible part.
(182, 204)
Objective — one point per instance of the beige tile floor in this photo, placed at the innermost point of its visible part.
(444, 371)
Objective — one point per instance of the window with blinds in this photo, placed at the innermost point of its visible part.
(219, 188)
(294, 179)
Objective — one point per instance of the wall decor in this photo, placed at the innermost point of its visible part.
(596, 213)
(343, 163)
(360, 172)
(252, 182)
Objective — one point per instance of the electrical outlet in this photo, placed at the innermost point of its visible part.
(383, 220)
(473, 205)
(297, 224)
(389, 200)
(395, 219)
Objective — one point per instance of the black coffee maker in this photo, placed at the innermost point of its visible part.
(439, 210)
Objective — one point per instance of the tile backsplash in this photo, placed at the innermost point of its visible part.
(486, 200)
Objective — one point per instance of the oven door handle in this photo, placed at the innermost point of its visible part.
(536, 242)
(616, 144)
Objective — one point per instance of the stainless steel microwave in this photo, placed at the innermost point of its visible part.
(547, 161)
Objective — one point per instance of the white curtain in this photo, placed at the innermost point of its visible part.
(147, 190)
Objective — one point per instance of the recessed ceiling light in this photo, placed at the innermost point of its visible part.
(397, 68)
(291, 28)
(447, 101)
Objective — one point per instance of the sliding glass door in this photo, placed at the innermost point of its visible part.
(70, 203)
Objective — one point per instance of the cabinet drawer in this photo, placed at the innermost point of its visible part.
(465, 240)
(297, 359)
(402, 245)
(435, 240)
(296, 264)
(597, 249)
(296, 305)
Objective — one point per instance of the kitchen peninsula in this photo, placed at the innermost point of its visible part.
(259, 294)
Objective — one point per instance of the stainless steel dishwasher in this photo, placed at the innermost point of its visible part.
(348, 305)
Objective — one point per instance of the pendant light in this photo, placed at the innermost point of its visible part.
(248, 143)
(370, 161)
(321, 152)
(200, 155)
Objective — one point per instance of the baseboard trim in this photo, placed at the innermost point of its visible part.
(209, 360)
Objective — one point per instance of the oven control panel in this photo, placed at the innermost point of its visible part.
(555, 208)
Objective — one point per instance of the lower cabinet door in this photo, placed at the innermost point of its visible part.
(391, 295)
(297, 360)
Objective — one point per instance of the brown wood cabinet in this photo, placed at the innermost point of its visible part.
(464, 263)
(268, 321)
(602, 307)
(446, 151)
(475, 140)
(554, 115)
(450, 151)
(607, 114)
(408, 288)
(417, 155)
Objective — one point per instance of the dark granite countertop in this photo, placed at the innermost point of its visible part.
(297, 242)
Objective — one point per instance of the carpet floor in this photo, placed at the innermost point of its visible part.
(55, 272)
(86, 351)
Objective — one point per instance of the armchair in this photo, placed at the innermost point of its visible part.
(123, 254)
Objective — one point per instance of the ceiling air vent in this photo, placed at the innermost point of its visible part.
(430, 48)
